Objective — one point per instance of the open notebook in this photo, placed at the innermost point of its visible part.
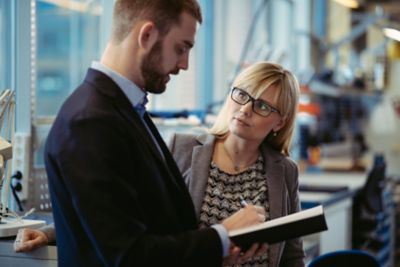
(280, 229)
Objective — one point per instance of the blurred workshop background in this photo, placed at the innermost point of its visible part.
(346, 55)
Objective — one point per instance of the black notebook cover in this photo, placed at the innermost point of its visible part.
(280, 229)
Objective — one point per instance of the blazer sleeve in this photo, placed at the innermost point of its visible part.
(293, 253)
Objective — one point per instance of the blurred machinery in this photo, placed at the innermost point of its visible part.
(6, 129)
(10, 221)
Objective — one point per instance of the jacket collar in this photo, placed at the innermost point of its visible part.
(275, 171)
(110, 89)
(135, 95)
(202, 156)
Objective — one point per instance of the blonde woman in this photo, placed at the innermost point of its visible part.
(246, 154)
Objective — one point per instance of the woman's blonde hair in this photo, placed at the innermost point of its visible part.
(256, 79)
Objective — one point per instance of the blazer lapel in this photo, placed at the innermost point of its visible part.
(201, 158)
(184, 207)
(170, 172)
(276, 193)
(169, 161)
(134, 119)
(276, 183)
(122, 105)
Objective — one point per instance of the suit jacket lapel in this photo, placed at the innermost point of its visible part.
(201, 158)
(131, 115)
(169, 161)
(275, 181)
(168, 170)
(184, 207)
(123, 106)
(276, 192)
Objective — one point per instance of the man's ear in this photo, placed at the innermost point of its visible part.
(148, 35)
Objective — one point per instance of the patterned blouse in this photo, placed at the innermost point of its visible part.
(222, 197)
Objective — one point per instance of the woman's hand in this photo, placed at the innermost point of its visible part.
(247, 216)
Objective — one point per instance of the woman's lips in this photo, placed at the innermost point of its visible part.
(241, 121)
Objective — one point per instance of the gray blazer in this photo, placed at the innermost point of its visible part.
(193, 154)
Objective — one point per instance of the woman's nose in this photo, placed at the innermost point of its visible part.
(247, 108)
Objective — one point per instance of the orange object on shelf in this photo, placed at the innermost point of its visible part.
(314, 155)
(311, 108)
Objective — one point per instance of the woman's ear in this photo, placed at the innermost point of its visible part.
(279, 125)
(148, 35)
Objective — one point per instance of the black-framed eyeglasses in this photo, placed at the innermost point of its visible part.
(259, 106)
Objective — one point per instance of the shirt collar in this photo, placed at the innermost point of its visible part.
(135, 95)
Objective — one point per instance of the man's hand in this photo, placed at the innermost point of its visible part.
(29, 239)
(247, 216)
(236, 256)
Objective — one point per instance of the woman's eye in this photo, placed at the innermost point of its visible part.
(263, 106)
(242, 95)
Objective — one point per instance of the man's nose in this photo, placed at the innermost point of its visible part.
(183, 62)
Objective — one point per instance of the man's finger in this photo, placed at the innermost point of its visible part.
(233, 256)
(262, 250)
(249, 253)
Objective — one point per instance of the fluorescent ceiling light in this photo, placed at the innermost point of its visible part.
(76, 6)
(348, 3)
(392, 33)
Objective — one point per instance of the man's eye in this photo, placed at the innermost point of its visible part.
(181, 50)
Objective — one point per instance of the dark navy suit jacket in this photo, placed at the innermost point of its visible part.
(115, 200)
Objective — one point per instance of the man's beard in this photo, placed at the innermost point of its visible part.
(153, 75)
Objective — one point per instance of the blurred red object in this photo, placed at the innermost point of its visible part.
(309, 107)
(396, 105)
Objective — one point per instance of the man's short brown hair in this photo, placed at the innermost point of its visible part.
(163, 13)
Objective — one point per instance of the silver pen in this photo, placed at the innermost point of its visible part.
(243, 202)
